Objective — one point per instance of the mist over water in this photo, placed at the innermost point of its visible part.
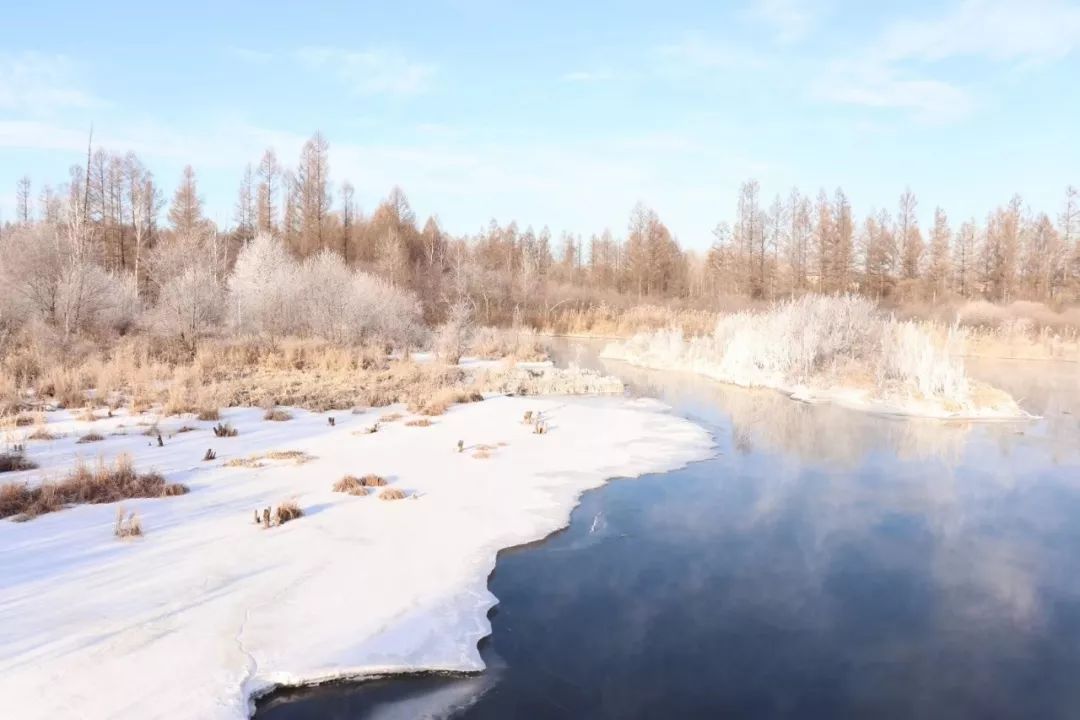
(825, 564)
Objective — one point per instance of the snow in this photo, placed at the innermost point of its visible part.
(208, 610)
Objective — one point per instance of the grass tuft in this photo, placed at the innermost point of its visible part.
(372, 480)
(287, 511)
(104, 484)
(276, 414)
(224, 430)
(89, 438)
(352, 485)
(208, 414)
(129, 526)
(41, 433)
(419, 422)
(392, 494)
(15, 460)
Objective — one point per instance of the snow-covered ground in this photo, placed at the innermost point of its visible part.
(207, 609)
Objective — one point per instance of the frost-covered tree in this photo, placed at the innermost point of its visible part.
(263, 288)
(189, 305)
(453, 337)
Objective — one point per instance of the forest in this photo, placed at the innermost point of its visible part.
(109, 250)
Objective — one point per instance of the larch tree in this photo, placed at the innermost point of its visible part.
(246, 209)
(937, 271)
(843, 246)
(269, 185)
(22, 200)
(348, 218)
(964, 259)
(312, 177)
(908, 236)
(144, 203)
(824, 239)
(186, 210)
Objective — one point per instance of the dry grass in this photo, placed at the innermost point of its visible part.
(352, 485)
(89, 438)
(391, 417)
(87, 415)
(208, 414)
(144, 373)
(209, 455)
(483, 452)
(224, 430)
(187, 429)
(129, 526)
(392, 494)
(276, 414)
(42, 433)
(419, 422)
(287, 511)
(440, 401)
(103, 484)
(372, 480)
(26, 420)
(256, 461)
(15, 460)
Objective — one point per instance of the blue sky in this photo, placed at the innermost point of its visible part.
(561, 113)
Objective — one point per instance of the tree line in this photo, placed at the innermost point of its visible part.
(793, 245)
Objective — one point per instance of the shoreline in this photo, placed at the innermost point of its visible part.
(354, 588)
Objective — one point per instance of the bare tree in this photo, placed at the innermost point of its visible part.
(22, 200)
(269, 177)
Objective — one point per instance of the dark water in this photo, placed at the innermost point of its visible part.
(826, 564)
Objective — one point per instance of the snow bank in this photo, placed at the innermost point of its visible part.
(838, 349)
(207, 609)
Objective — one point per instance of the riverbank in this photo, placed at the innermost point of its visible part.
(208, 609)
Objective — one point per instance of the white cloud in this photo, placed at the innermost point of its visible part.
(791, 19)
(586, 76)
(902, 68)
(693, 53)
(33, 82)
(377, 71)
(929, 101)
(1031, 30)
(249, 55)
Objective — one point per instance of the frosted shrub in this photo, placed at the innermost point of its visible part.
(327, 299)
(272, 294)
(189, 305)
(817, 344)
(264, 289)
(911, 359)
(453, 336)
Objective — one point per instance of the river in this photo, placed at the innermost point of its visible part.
(826, 563)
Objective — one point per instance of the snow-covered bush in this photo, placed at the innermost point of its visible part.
(818, 345)
(189, 305)
(272, 294)
(42, 277)
(453, 336)
(264, 289)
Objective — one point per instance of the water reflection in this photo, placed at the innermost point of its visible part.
(827, 563)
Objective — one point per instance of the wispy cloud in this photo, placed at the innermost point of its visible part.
(790, 19)
(694, 53)
(927, 100)
(38, 83)
(904, 67)
(250, 55)
(586, 76)
(379, 71)
(1033, 30)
